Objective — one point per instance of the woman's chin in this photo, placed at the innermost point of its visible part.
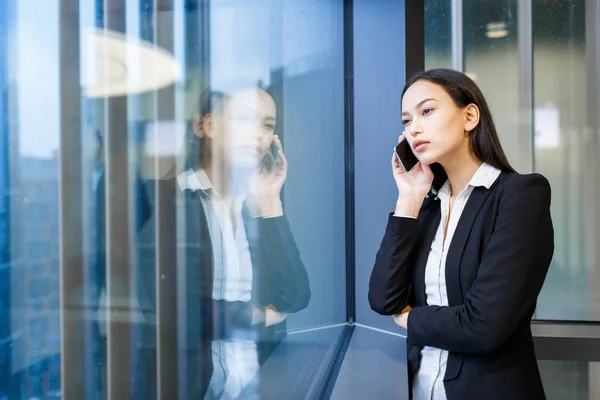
(426, 160)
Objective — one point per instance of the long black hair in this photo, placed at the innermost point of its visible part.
(484, 138)
(197, 149)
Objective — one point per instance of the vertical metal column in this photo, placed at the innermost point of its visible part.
(196, 68)
(166, 290)
(458, 59)
(118, 246)
(166, 230)
(71, 213)
(414, 22)
(349, 160)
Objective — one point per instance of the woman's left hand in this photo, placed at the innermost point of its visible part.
(402, 319)
(270, 183)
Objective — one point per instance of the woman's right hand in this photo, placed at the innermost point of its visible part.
(413, 186)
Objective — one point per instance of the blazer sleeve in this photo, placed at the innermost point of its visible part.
(285, 282)
(509, 279)
(390, 285)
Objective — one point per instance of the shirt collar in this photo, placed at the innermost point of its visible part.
(194, 180)
(485, 176)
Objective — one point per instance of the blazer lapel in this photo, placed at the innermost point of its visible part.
(430, 225)
(459, 241)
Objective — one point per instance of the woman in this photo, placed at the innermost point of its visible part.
(243, 270)
(470, 261)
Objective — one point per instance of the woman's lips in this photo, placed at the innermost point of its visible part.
(420, 145)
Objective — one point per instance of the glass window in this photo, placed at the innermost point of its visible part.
(176, 169)
(566, 152)
(562, 61)
(576, 380)
(564, 123)
(438, 34)
(490, 42)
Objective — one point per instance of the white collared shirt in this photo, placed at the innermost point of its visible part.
(429, 382)
(233, 266)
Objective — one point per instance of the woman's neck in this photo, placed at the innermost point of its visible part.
(460, 171)
(217, 180)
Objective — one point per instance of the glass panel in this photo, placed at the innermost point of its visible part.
(576, 380)
(172, 180)
(566, 152)
(565, 123)
(492, 59)
(438, 34)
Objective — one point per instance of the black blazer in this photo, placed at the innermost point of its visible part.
(495, 268)
(279, 276)
(279, 279)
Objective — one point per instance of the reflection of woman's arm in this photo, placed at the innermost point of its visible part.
(282, 280)
(267, 199)
(509, 278)
(269, 206)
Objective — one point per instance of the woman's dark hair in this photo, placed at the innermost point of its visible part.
(197, 150)
(484, 138)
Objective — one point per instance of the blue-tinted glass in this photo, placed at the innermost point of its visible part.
(141, 176)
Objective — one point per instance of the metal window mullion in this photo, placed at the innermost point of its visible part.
(457, 36)
(118, 237)
(166, 289)
(180, 32)
(414, 28)
(71, 216)
(348, 38)
(572, 341)
(166, 231)
(117, 249)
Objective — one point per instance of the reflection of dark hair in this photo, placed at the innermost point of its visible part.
(198, 149)
(463, 91)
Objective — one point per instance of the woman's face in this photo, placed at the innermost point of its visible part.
(434, 126)
(245, 127)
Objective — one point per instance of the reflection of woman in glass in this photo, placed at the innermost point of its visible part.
(259, 263)
(243, 269)
(470, 260)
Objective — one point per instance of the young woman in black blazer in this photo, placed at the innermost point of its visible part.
(465, 254)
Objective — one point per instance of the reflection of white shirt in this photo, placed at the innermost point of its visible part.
(235, 361)
(429, 381)
(233, 265)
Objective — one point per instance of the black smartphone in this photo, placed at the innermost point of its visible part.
(406, 157)
(271, 158)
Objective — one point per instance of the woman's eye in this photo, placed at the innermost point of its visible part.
(427, 111)
(269, 127)
(405, 121)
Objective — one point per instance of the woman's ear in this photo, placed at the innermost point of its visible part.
(471, 117)
(203, 126)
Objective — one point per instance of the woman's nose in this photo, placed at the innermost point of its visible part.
(415, 128)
